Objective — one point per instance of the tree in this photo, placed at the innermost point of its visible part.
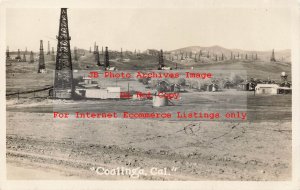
(181, 81)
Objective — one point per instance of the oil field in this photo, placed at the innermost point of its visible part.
(193, 113)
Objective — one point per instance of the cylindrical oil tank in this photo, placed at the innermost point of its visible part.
(159, 101)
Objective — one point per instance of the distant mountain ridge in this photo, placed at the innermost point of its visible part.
(218, 50)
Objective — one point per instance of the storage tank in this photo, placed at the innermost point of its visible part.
(159, 101)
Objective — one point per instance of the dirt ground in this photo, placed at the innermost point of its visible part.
(200, 150)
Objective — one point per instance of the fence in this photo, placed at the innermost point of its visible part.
(43, 92)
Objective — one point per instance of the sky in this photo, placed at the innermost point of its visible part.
(243, 28)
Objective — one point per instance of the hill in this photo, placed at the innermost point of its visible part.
(282, 55)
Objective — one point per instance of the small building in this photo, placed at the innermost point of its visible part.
(212, 87)
(87, 80)
(175, 87)
(108, 93)
(43, 71)
(284, 90)
(266, 89)
(88, 83)
(244, 86)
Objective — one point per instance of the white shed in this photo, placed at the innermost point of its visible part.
(266, 89)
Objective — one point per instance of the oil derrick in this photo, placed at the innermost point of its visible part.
(19, 54)
(256, 56)
(181, 55)
(121, 55)
(31, 57)
(97, 56)
(161, 60)
(231, 57)
(95, 46)
(102, 51)
(53, 55)
(48, 52)
(26, 50)
(24, 57)
(195, 58)
(273, 56)
(106, 58)
(222, 57)
(208, 54)
(7, 53)
(246, 57)
(63, 81)
(75, 54)
(41, 58)
(90, 49)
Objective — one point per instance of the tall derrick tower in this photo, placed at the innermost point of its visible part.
(95, 46)
(53, 54)
(41, 58)
(24, 57)
(19, 54)
(121, 56)
(161, 60)
(97, 56)
(273, 56)
(63, 80)
(31, 57)
(106, 59)
(48, 52)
